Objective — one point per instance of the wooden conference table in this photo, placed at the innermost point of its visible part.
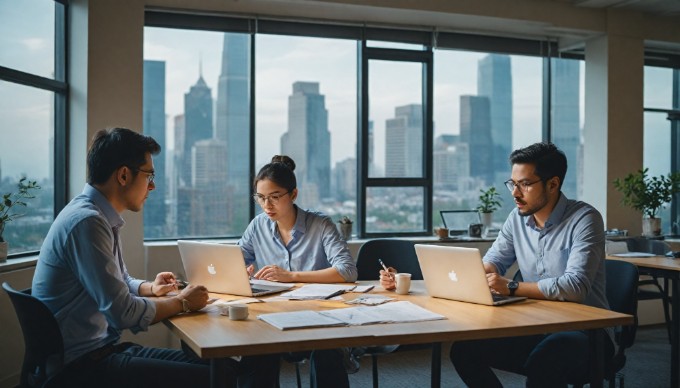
(669, 268)
(216, 337)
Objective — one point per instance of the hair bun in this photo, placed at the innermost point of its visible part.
(285, 160)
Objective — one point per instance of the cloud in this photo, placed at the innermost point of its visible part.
(34, 44)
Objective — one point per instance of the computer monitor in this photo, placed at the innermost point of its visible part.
(457, 221)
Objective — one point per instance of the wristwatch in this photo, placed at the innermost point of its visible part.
(512, 286)
(185, 306)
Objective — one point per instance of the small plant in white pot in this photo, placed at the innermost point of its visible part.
(489, 202)
(648, 195)
(7, 203)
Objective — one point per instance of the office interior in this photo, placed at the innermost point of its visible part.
(104, 69)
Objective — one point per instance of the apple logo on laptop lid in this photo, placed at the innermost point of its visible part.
(453, 276)
(211, 269)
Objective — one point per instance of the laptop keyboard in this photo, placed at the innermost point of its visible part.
(257, 290)
(498, 298)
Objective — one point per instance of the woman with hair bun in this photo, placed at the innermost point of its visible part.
(288, 244)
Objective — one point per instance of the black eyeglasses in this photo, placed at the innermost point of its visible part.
(523, 186)
(151, 175)
(272, 198)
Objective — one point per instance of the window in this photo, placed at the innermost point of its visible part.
(32, 109)
(485, 106)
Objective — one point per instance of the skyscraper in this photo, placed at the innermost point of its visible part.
(566, 132)
(232, 121)
(308, 140)
(494, 81)
(154, 126)
(475, 130)
(404, 142)
(198, 118)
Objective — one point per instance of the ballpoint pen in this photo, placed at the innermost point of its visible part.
(386, 270)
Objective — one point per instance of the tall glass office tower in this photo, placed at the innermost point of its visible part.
(494, 81)
(475, 131)
(154, 126)
(566, 130)
(308, 141)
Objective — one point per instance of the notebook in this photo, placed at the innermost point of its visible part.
(221, 268)
(457, 273)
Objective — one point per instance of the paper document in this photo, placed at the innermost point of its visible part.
(397, 312)
(317, 291)
(362, 288)
(633, 254)
(370, 299)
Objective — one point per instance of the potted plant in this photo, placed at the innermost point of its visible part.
(8, 202)
(345, 228)
(489, 202)
(648, 195)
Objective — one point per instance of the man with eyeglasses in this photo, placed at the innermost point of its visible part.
(558, 244)
(83, 280)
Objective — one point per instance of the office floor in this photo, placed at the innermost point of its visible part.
(647, 365)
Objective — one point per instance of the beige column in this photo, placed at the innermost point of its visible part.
(613, 119)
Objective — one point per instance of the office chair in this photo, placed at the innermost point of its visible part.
(44, 348)
(621, 290)
(399, 254)
(657, 247)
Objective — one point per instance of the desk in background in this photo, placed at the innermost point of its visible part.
(215, 337)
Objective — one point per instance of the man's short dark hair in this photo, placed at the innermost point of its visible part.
(549, 160)
(113, 148)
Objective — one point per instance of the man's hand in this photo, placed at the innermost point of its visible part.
(387, 279)
(165, 282)
(197, 296)
(274, 273)
(498, 284)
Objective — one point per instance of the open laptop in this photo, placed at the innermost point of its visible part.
(221, 268)
(457, 273)
(457, 221)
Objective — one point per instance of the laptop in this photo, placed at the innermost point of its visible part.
(458, 274)
(221, 268)
(457, 221)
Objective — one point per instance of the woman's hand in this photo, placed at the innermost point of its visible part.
(274, 273)
(387, 279)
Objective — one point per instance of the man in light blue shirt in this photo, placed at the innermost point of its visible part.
(558, 245)
(83, 280)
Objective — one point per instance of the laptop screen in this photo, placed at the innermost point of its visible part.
(457, 221)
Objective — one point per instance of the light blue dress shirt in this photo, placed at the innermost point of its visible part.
(83, 280)
(315, 245)
(566, 258)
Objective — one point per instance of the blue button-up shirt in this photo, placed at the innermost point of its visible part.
(82, 278)
(566, 257)
(315, 245)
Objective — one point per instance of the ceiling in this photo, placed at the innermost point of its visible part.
(669, 8)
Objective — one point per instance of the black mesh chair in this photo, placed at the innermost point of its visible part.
(399, 254)
(44, 348)
(654, 290)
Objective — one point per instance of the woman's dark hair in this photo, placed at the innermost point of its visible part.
(549, 160)
(280, 171)
(115, 147)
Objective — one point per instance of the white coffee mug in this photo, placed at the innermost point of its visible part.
(238, 312)
(403, 283)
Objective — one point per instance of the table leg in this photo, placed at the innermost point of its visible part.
(218, 372)
(596, 344)
(675, 329)
(436, 378)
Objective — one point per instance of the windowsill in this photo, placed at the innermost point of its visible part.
(18, 263)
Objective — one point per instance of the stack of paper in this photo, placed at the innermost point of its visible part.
(317, 291)
(397, 312)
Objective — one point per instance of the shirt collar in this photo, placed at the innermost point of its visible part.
(300, 222)
(114, 219)
(555, 216)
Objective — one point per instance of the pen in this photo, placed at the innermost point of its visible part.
(385, 268)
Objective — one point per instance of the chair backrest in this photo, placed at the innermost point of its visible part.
(396, 253)
(44, 347)
(622, 284)
(643, 244)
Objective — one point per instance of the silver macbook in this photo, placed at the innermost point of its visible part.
(221, 268)
(458, 274)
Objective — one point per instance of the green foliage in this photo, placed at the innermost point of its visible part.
(489, 201)
(9, 200)
(647, 194)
